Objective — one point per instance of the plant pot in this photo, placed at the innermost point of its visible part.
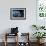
(40, 41)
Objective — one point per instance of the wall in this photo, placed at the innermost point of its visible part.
(24, 25)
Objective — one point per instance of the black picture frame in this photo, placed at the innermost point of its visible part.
(17, 13)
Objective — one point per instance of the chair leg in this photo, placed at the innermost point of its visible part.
(5, 43)
(5, 40)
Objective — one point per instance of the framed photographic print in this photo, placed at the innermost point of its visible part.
(17, 13)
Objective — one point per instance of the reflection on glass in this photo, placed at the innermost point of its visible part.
(45, 14)
(41, 14)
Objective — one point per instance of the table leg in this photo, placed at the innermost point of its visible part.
(5, 40)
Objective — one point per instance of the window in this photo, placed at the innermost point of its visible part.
(41, 8)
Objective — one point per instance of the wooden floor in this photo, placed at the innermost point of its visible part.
(13, 44)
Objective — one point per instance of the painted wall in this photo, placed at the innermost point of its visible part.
(24, 25)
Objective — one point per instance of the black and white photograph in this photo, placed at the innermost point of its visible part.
(17, 13)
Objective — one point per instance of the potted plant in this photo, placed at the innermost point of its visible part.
(39, 35)
(42, 27)
(38, 27)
